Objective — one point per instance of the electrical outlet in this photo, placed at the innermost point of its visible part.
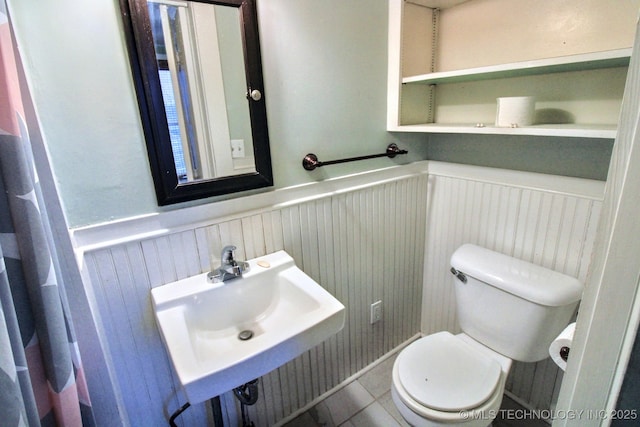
(376, 312)
(237, 148)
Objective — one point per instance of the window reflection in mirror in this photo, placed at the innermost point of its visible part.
(204, 95)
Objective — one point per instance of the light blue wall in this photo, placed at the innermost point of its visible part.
(576, 157)
(325, 82)
(75, 60)
(325, 72)
(325, 66)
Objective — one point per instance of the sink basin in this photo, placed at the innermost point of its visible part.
(285, 311)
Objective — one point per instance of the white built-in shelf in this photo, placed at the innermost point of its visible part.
(581, 90)
(560, 130)
(588, 61)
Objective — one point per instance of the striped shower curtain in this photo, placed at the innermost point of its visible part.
(41, 377)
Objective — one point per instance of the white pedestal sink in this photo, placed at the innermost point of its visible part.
(285, 310)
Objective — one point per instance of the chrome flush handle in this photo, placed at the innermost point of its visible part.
(459, 274)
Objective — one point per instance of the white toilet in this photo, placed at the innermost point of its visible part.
(508, 309)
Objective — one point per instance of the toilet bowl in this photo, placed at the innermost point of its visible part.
(462, 384)
(508, 309)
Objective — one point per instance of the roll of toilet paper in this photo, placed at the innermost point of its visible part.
(559, 348)
(515, 111)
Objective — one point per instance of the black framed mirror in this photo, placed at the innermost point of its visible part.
(197, 72)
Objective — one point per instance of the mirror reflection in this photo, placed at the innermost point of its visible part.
(200, 63)
(197, 70)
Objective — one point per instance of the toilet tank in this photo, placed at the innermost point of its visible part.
(512, 306)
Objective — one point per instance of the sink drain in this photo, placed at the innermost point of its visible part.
(245, 335)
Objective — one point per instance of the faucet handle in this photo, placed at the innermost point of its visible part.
(229, 267)
(227, 254)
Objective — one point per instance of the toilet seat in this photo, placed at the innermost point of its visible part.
(420, 415)
(444, 373)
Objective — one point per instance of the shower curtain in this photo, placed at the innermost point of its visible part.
(41, 377)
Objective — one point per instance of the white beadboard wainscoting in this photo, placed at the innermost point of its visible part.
(363, 239)
(548, 220)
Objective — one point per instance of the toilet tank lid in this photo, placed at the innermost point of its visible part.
(521, 278)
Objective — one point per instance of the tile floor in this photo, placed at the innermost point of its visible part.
(367, 402)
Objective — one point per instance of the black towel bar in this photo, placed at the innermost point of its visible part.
(310, 161)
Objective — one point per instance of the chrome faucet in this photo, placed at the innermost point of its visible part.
(229, 267)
